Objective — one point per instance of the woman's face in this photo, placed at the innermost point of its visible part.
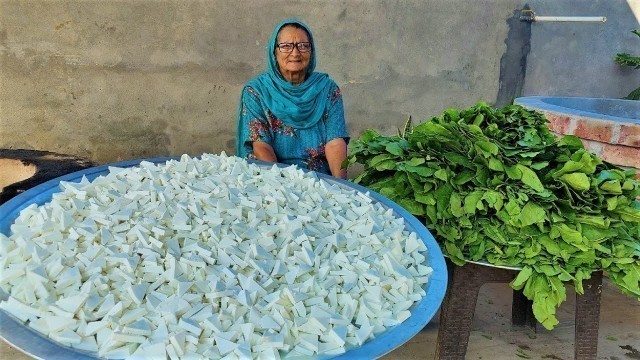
(295, 61)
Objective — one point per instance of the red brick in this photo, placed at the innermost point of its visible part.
(629, 135)
(598, 130)
(621, 155)
(559, 124)
(614, 154)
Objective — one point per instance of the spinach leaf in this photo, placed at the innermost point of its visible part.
(497, 185)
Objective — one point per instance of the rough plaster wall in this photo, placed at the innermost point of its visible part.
(576, 59)
(118, 80)
(114, 80)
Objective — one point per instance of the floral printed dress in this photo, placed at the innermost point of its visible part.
(302, 147)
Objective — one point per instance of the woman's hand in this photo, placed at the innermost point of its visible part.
(264, 152)
(336, 152)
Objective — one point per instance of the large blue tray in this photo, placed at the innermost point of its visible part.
(36, 345)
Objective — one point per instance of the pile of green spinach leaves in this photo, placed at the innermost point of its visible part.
(496, 185)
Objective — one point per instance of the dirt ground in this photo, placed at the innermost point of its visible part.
(493, 337)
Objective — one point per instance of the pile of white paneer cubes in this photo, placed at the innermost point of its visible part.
(210, 257)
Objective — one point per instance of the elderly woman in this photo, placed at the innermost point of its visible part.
(292, 114)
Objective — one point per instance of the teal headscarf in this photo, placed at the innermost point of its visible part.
(299, 106)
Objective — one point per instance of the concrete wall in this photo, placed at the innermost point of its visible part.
(113, 80)
(576, 59)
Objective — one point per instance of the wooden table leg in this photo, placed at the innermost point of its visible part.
(458, 308)
(522, 311)
(588, 318)
(456, 313)
(459, 305)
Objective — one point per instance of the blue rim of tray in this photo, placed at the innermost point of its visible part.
(39, 346)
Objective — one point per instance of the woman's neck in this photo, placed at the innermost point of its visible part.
(295, 78)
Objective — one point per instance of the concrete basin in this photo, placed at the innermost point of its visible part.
(608, 127)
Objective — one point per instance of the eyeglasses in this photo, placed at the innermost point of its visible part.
(285, 47)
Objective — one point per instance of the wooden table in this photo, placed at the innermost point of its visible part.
(458, 307)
